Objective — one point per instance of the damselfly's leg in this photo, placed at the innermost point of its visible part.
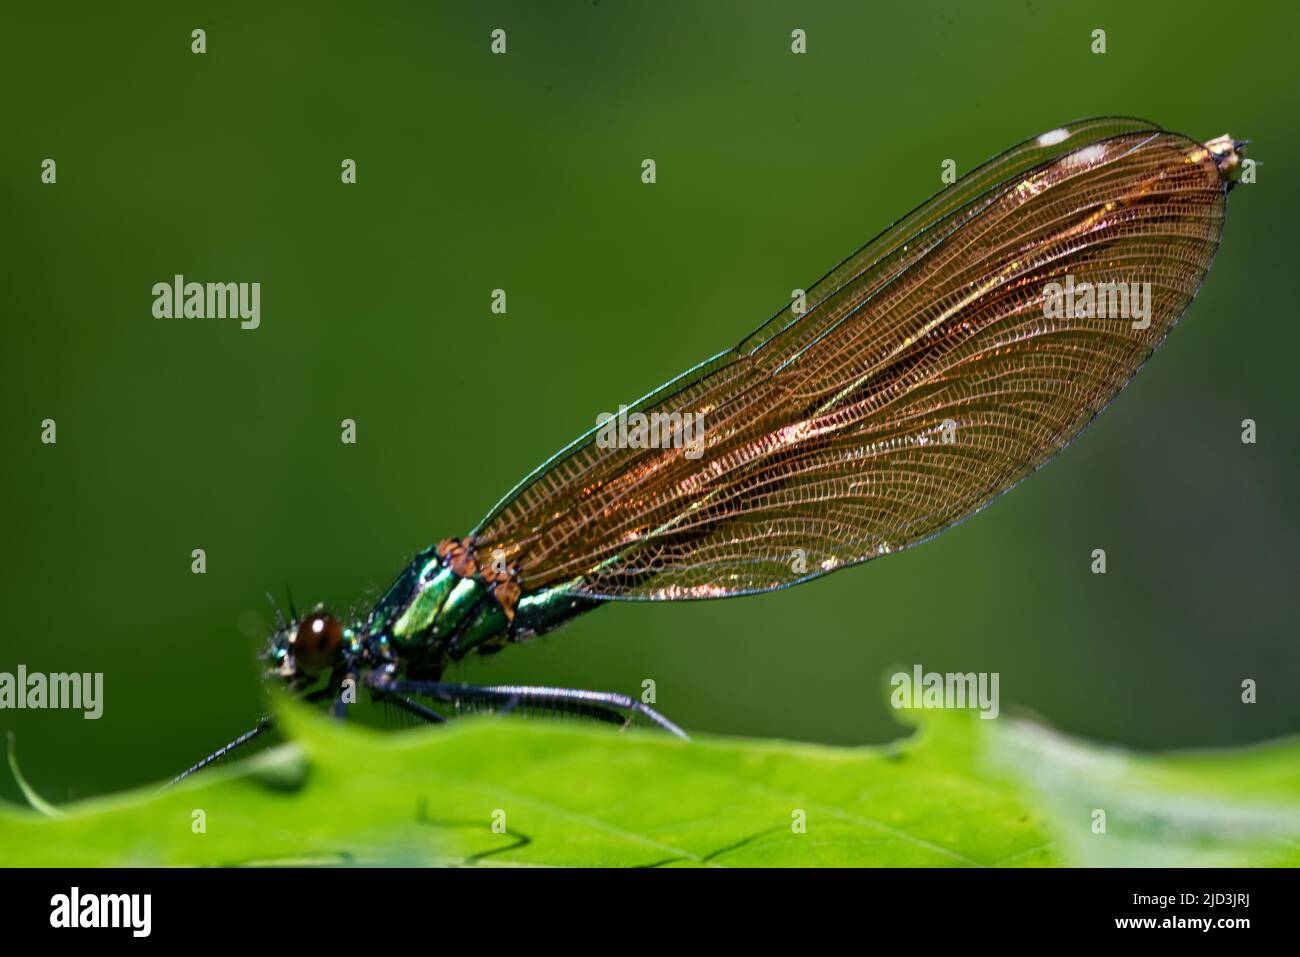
(262, 727)
(412, 707)
(600, 705)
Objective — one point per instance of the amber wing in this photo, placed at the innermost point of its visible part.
(933, 370)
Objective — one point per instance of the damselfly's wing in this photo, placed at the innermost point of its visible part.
(932, 371)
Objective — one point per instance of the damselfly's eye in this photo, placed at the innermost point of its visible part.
(317, 641)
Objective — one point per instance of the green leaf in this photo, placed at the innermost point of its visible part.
(38, 803)
(959, 791)
(1212, 808)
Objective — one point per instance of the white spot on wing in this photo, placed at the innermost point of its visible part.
(1086, 155)
(1052, 138)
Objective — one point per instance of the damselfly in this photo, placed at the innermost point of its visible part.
(929, 372)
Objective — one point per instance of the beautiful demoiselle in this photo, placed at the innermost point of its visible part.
(929, 372)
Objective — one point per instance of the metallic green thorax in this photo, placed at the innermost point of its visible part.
(430, 616)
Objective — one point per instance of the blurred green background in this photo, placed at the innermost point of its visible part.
(523, 172)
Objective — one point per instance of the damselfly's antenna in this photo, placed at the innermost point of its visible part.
(279, 615)
(263, 725)
(293, 610)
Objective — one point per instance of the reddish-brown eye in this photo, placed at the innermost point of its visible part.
(317, 642)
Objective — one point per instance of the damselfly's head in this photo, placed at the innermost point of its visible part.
(301, 651)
